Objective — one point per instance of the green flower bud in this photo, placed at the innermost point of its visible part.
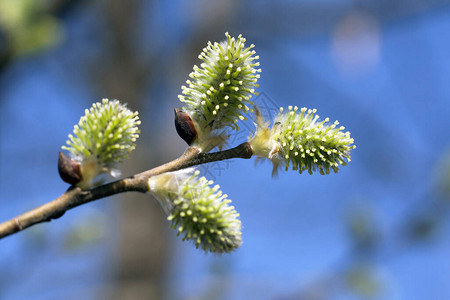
(103, 138)
(198, 211)
(298, 139)
(220, 90)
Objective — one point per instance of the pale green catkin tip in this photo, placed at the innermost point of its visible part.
(302, 142)
(103, 137)
(198, 210)
(219, 91)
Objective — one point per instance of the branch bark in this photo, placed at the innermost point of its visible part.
(74, 196)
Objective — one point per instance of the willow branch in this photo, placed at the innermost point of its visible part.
(74, 196)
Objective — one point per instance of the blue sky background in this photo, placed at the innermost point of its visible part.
(381, 70)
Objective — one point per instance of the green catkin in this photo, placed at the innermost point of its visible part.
(103, 138)
(198, 211)
(301, 142)
(219, 91)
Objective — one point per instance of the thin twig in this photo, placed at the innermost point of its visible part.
(74, 196)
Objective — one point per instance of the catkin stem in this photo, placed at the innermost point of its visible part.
(75, 196)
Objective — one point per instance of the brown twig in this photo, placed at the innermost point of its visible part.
(74, 196)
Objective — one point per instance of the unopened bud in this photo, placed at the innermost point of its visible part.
(185, 126)
(69, 170)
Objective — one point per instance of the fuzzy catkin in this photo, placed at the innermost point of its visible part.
(301, 142)
(103, 138)
(198, 211)
(219, 91)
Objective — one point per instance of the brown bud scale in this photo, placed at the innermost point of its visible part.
(185, 126)
(69, 170)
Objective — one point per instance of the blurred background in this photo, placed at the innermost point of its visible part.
(379, 229)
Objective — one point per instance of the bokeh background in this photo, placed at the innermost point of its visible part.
(379, 229)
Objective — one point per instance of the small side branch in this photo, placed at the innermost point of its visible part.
(137, 183)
